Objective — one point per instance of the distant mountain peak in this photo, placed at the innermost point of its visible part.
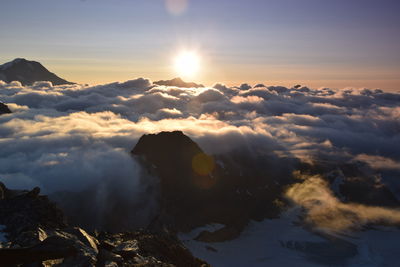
(178, 82)
(12, 63)
(27, 72)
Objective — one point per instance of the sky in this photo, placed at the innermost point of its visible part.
(337, 44)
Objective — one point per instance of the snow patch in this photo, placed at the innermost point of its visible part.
(258, 245)
(283, 242)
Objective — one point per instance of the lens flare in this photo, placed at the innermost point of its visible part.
(176, 7)
(203, 164)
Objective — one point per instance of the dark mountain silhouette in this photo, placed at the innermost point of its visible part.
(198, 189)
(178, 82)
(4, 109)
(27, 72)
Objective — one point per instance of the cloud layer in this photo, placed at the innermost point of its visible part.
(70, 137)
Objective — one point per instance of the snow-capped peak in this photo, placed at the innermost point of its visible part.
(11, 63)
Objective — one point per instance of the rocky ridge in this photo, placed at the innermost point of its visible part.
(39, 235)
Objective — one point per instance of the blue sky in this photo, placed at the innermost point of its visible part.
(321, 43)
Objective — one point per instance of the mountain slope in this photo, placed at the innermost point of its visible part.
(196, 189)
(27, 72)
(178, 82)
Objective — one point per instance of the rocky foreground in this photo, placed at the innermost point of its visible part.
(37, 234)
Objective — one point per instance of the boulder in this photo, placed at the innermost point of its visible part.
(55, 247)
(160, 249)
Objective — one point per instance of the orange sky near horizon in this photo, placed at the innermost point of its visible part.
(98, 73)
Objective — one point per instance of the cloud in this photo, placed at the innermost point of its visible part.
(247, 99)
(71, 137)
(325, 212)
(209, 96)
(354, 121)
(379, 162)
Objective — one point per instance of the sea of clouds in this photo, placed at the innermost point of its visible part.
(71, 137)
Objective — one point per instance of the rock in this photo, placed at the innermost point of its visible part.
(51, 263)
(358, 183)
(361, 185)
(60, 245)
(29, 238)
(3, 191)
(84, 244)
(84, 237)
(167, 249)
(4, 109)
(127, 248)
(51, 248)
(27, 215)
(145, 249)
(105, 256)
(182, 188)
(34, 192)
(110, 264)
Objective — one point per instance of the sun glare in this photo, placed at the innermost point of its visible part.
(187, 64)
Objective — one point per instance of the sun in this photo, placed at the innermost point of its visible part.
(187, 64)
